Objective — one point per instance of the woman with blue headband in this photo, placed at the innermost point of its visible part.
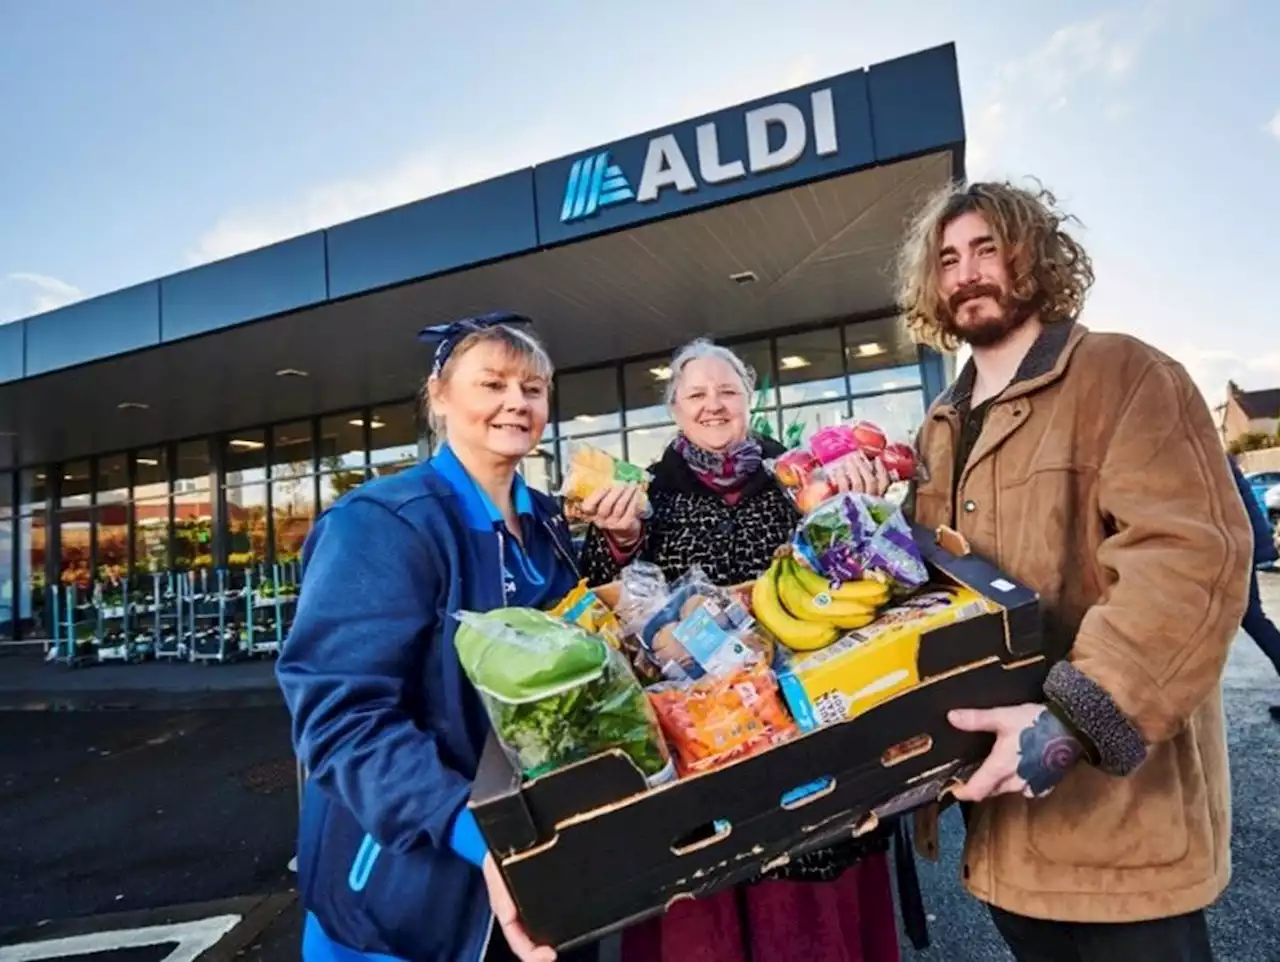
(391, 864)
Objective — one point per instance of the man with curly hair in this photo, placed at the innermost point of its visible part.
(1086, 465)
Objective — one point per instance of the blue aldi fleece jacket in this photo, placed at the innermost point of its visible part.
(384, 718)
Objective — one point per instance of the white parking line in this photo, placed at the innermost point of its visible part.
(193, 940)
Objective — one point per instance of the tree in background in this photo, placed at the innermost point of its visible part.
(1253, 441)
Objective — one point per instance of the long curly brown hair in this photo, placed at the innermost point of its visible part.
(1051, 272)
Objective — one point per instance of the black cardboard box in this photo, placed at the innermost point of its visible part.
(587, 850)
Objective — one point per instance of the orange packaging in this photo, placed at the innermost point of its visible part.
(720, 718)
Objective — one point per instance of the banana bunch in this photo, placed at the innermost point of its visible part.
(804, 612)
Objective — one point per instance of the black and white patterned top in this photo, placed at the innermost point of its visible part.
(733, 542)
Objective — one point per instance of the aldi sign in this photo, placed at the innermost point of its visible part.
(804, 134)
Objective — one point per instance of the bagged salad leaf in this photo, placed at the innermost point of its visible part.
(556, 694)
(856, 536)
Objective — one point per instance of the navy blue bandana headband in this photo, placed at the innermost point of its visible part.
(450, 335)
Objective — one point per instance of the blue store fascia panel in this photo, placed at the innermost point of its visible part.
(915, 105)
(273, 280)
(800, 135)
(884, 113)
(471, 225)
(115, 323)
(11, 351)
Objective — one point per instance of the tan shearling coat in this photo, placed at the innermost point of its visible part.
(1100, 481)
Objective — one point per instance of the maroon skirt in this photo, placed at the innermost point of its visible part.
(850, 919)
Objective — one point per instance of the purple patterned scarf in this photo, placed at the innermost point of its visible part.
(722, 471)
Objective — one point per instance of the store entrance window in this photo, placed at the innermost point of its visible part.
(587, 402)
(899, 414)
(8, 583)
(293, 490)
(880, 357)
(539, 468)
(645, 384)
(244, 494)
(393, 433)
(150, 514)
(111, 518)
(75, 528)
(343, 455)
(193, 507)
(33, 595)
(811, 368)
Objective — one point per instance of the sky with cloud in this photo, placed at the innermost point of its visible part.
(142, 137)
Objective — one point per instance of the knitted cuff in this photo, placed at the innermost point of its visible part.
(1087, 706)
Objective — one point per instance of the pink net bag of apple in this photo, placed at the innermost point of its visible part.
(801, 471)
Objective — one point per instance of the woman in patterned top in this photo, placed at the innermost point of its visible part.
(717, 506)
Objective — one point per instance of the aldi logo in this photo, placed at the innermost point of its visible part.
(775, 136)
(594, 182)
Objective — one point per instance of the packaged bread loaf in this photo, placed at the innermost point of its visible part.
(591, 469)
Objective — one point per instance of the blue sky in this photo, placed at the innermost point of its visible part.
(143, 136)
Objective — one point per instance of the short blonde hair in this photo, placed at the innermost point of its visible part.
(518, 346)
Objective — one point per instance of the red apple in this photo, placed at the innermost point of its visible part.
(814, 493)
(899, 461)
(795, 468)
(871, 439)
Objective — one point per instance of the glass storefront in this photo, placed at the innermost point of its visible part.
(31, 579)
(74, 521)
(8, 559)
(150, 498)
(293, 489)
(250, 497)
(192, 507)
(392, 432)
(111, 518)
(804, 382)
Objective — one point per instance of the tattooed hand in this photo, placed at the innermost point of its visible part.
(1032, 753)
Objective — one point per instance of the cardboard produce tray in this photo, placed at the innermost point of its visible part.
(588, 849)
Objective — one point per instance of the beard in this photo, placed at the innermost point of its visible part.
(985, 329)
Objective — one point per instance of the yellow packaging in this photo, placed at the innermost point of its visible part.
(872, 664)
(582, 607)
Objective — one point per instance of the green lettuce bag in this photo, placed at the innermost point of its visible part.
(556, 694)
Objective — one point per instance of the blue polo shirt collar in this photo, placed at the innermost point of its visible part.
(478, 509)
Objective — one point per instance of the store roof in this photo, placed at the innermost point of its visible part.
(581, 243)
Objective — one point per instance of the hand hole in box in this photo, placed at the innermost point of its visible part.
(905, 750)
(952, 541)
(702, 836)
(809, 792)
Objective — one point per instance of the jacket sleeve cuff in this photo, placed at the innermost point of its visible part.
(465, 838)
(1117, 743)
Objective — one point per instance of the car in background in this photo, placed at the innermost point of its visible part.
(1262, 482)
(1271, 503)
